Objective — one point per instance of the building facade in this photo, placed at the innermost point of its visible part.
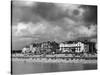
(53, 47)
(72, 47)
(46, 47)
(26, 50)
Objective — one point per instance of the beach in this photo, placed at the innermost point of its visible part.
(57, 60)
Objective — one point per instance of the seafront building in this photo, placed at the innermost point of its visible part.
(46, 47)
(26, 49)
(72, 47)
(63, 47)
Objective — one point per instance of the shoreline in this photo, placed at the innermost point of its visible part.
(45, 60)
(57, 58)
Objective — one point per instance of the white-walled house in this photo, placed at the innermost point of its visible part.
(25, 50)
(28, 49)
(68, 47)
(33, 49)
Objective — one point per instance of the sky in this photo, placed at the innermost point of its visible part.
(42, 21)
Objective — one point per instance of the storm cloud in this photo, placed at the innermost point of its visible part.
(90, 16)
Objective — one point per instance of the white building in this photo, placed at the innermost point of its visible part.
(29, 49)
(25, 50)
(32, 49)
(77, 47)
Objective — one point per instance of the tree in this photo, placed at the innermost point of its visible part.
(55, 46)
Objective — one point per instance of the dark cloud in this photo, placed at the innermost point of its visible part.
(43, 11)
(51, 12)
(90, 16)
(23, 14)
(48, 11)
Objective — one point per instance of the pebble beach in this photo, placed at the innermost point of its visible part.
(45, 60)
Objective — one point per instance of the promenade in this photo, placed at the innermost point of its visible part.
(58, 58)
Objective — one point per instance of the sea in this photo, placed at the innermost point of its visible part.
(31, 68)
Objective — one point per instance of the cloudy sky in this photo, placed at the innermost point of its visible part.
(40, 21)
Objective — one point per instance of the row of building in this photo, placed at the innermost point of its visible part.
(63, 47)
(44, 47)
